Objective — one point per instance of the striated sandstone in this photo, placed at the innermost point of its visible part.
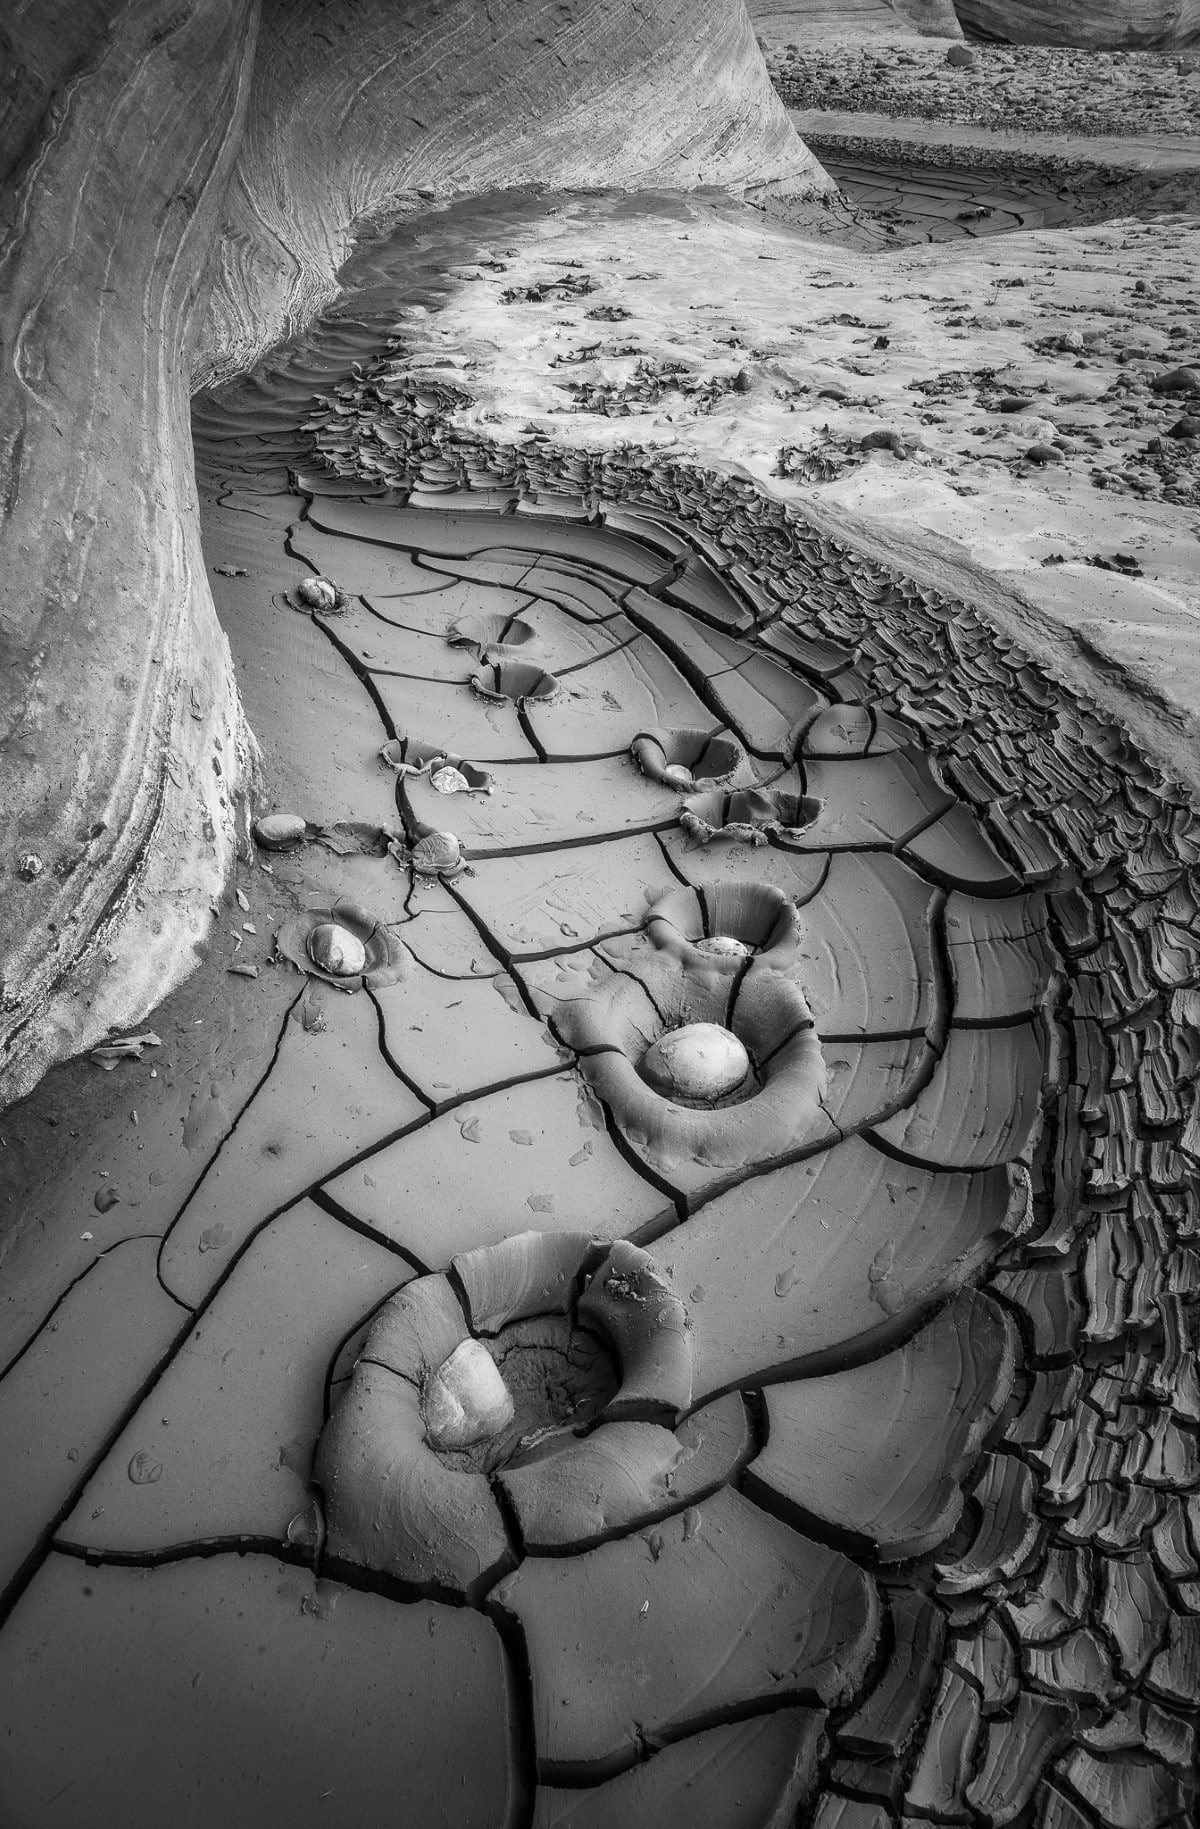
(120, 738)
(820, 21)
(1098, 25)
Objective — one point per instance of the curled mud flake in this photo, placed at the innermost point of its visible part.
(321, 595)
(279, 831)
(747, 815)
(842, 730)
(345, 945)
(408, 757)
(466, 1400)
(684, 759)
(728, 922)
(490, 635)
(335, 951)
(700, 1061)
(434, 854)
(105, 1198)
(531, 1273)
(306, 1530)
(515, 682)
(143, 1469)
(634, 1305)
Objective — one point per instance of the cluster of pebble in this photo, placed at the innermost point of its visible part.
(1042, 88)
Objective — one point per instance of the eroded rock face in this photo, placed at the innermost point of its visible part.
(366, 105)
(121, 745)
(1098, 25)
(797, 21)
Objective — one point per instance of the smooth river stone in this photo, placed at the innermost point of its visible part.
(701, 1060)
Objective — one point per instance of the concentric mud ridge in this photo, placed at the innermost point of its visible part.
(909, 1352)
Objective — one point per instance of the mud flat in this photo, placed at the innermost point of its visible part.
(824, 1437)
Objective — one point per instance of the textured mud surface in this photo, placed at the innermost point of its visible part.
(853, 1468)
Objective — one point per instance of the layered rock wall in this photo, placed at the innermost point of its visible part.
(119, 725)
(1097, 25)
(816, 21)
(357, 106)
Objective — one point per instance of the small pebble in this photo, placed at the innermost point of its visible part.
(334, 949)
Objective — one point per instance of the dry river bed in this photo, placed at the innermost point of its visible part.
(414, 1394)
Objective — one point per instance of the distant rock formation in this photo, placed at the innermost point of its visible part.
(158, 153)
(807, 21)
(1097, 25)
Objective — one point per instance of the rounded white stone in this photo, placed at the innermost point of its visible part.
(279, 831)
(336, 950)
(317, 593)
(465, 1400)
(699, 1061)
(724, 946)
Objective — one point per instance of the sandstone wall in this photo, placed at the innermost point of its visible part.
(355, 105)
(1095, 24)
(812, 21)
(117, 706)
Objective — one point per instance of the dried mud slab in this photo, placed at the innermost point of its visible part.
(980, 1105)
(559, 803)
(1002, 959)
(329, 1094)
(876, 1454)
(629, 1644)
(602, 707)
(451, 1036)
(866, 956)
(455, 718)
(123, 1683)
(220, 1449)
(564, 899)
(535, 1154)
(293, 682)
(756, 1773)
(62, 1397)
(822, 1264)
